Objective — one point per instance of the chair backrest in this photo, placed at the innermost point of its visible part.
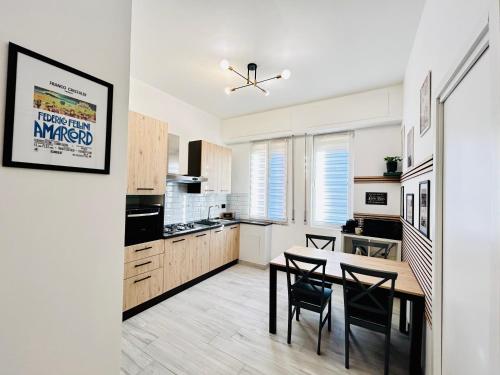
(371, 303)
(328, 240)
(305, 274)
(363, 245)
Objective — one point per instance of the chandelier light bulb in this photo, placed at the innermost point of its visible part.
(228, 90)
(266, 93)
(285, 74)
(224, 64)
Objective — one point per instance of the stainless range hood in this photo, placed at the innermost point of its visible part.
(173, 169)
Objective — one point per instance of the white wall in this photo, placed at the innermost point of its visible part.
(371, 143)
(446, 26)
(61, 233)
(365, 109)
(185, 120)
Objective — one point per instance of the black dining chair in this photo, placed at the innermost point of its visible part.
(368, 306)
(307, 292)
(316, 237)
(361, 246)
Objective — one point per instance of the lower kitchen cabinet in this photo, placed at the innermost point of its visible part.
(224, 245)
(176, 262)
(141, 288)
(199, 257)
(218, 247)
(233, 241)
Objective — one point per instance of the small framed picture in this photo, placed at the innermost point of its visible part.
(425, 105)
(424, 207)
(402, 202)
(409, 208)
(409, 149)
(56, 117)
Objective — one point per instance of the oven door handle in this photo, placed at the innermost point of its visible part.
(143, 215)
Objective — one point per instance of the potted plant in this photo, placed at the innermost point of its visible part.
(392, 163)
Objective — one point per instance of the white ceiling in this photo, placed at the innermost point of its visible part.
(332, 47)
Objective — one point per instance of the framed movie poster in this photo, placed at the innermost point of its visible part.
(425, 105)
(409, 208)
(424, 207)
(402, 202)
(409, 148)
(56, 117)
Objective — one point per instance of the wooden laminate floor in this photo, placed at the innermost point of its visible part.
(220, 326)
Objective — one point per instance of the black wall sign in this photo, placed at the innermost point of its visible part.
(376, 198)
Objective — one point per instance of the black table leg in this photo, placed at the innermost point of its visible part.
(272, 299)
(417, 321)
(403, 324)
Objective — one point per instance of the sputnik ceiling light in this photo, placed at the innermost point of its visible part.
(252, 67)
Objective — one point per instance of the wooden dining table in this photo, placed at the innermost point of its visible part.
(407, 288)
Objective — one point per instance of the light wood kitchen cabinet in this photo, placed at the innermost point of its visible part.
(217, 247)
(176, 263)
(233, 241)
(199, 254)
(147, 155)
(143, 273)
(143, 265)
(143, 250)
(213, 162)
(141, 288)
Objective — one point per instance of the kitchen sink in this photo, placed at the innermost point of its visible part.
(207, 222)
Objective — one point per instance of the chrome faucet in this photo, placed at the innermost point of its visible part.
(209, 208)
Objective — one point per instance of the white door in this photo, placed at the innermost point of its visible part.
(469, 241)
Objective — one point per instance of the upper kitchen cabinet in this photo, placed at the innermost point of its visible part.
(147, 155)
(213, 162)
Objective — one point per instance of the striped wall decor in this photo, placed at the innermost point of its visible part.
(425, 167)
(361, 216)
(417, 251)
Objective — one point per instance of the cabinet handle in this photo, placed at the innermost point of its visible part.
(146, 248)
(144, 278)
(142, 264)
(201, 235)
(179, 240)
(209, 190)
(145, 188)
(217, 231)
(234, 228)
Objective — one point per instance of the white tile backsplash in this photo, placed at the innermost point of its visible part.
(181, 207)
(239, 204)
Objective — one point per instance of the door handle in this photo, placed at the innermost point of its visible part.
(142, 264)
(143, 215)
(183, 239)
(145, 188)
(144, 278)
(146, 248)
(201, 235)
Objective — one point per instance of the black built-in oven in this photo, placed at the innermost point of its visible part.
(143, 224)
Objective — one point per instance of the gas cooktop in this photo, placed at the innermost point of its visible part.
(176, 228)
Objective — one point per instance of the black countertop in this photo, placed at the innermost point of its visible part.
(202, 228)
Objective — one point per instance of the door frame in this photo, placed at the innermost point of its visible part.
(470, 54)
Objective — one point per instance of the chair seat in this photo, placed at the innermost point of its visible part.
(305, 292)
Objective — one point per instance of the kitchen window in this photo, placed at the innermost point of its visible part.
(268, 180)
(331, 180)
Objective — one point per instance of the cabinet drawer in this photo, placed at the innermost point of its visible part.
(142, 265)
(141, 288)
(143, 250)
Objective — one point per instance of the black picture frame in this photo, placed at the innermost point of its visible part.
(409, 208)
(424, 198)
(402, 203)
(376, 198)
(12, 73)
